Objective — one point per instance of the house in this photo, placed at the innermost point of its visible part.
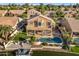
(11, 21)
(72, 26)
(32, 13)
(70, 13)
(3, 12)
(40, 26)
(15, 12)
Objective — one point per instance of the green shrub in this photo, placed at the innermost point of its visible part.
(44, 44)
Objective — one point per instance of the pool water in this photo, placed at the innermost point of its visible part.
(76, 40)
(51, 40)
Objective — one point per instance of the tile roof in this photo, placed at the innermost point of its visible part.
(33, 11)
(2, 12)
(8, 21)
(19, 12)
(43, 17)
(74, 24)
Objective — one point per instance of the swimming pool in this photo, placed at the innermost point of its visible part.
(51, 40)
(76, 40)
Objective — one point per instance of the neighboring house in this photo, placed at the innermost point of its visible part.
(40, 26)
(49, 13)
(70, 13)
(72, 26)
(11, 21)
(32, 13)
(3, 12)
(15, 12)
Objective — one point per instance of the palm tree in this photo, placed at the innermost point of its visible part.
(67, 41)
(5, 31)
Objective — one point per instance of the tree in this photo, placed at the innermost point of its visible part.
(59, 14)
(5, 32)
(42, 8)
(77, 5)
(67, 41)
(26, 6)
(49, 7)
(19, 37)
(24, 16)
(32, 39)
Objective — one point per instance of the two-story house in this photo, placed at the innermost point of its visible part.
(40, 26)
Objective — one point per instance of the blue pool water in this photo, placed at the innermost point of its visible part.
(76, 40)
(51, 40)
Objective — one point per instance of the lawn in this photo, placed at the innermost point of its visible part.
(75, 49)
(7, 53)
(52, 53)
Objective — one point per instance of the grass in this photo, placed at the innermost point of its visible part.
(75, 49)
(52, 53)
(7, 53)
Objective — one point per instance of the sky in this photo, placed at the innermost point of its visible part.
(39, 3)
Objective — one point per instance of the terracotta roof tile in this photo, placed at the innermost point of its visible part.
(8, 21)
(74, 24)
(2, 12)
(19, 12)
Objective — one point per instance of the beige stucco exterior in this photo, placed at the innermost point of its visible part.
(40, 31)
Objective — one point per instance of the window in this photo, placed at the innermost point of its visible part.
(35, 23)
(39, 23)
(49, 25)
